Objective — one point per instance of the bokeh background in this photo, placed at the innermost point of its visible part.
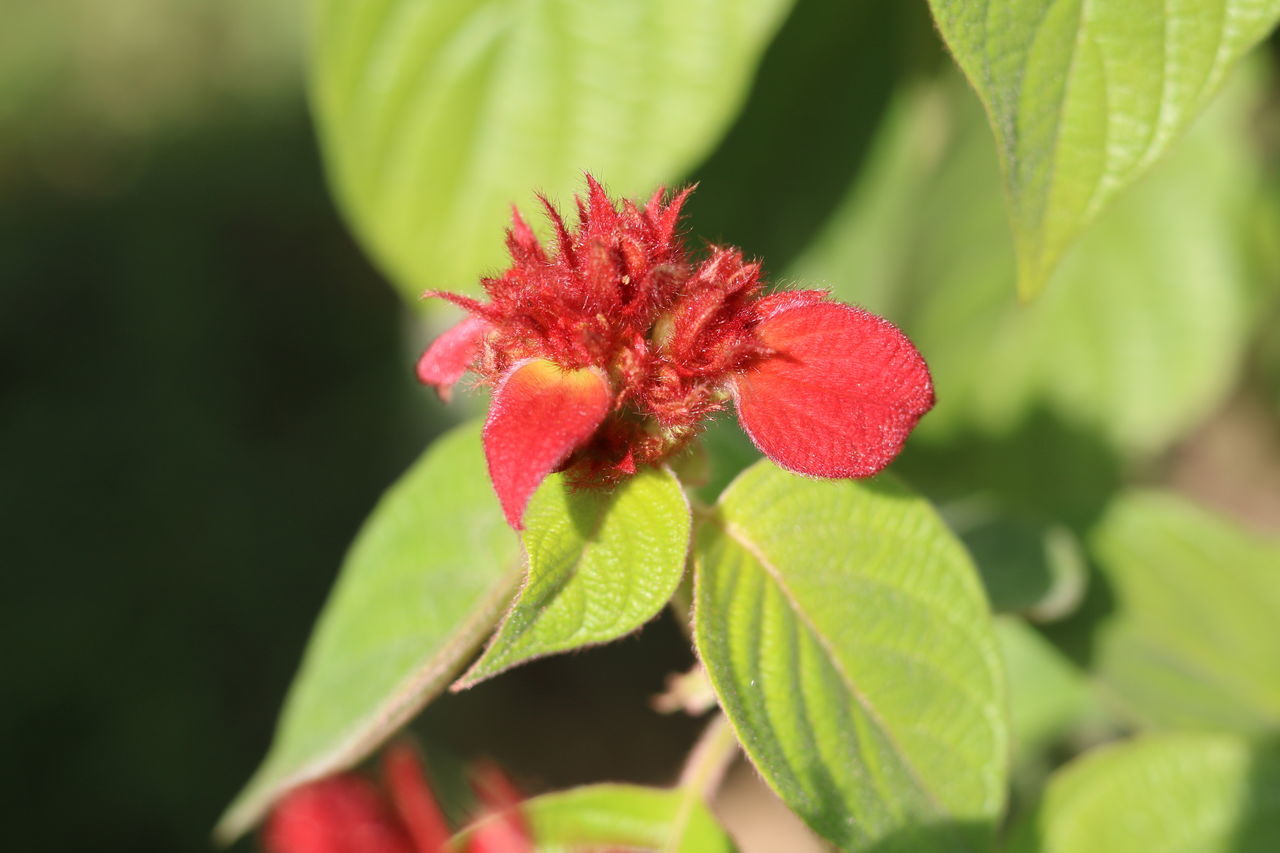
(204, 386)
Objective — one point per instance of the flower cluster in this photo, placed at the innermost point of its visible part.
(610, 348)
(347, 813)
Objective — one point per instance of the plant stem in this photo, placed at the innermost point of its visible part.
(706, 765)
(702, 774)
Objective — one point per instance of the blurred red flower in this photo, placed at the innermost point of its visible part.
(347, 813)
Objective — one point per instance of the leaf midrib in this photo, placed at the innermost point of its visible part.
(590, 541)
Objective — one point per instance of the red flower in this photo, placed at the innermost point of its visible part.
(608, 351)
(346, 813)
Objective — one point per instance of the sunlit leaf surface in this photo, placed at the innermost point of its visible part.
(437, 115)
(1084, 97)
(601, 564)
(846, 634)
(1147, 327)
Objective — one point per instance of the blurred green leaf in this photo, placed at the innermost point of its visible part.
(863, 251)
(1037, 570)
(436, 116)
(729, 451)
(1085, 97)
(1145, 333)
(1191, 792)
(1146, 330)
(1047, 693)
(846, 634)
(621, 816)
(1180, 625)
(84, 71)
(804, 131)
(601, 564)
(423, 584)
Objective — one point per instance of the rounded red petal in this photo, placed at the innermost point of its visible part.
(449, 356)
(340, 814)
(839, 396)
(540, 414)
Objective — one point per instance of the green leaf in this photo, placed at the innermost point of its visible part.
(436, 115)
(1146, 332)
(1047, 693)
(601, 564)
(1188, 792)
(1084, 97)
(845, 632)
(1037, 570)
(1180, 627)
(864, 251)
(729, 451)
(423, 584)
(803, 132)
(620, 816)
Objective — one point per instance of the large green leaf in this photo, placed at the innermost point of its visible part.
(1083, 97)
(422, 586)
(845, 632)
(436, 115)
(1180, 627)
(1036, 570)
(1146, 332)
(1047, 693)
(601, 564)
(600, 817)
(1184, 792)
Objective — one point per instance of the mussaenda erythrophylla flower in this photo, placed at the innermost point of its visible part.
(608, 349)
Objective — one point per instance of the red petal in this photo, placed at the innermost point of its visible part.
(841, 394)
(412, 797)
(540, 415)
(506, 831)
(341, 814)
(785, 300)
(451, 354)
